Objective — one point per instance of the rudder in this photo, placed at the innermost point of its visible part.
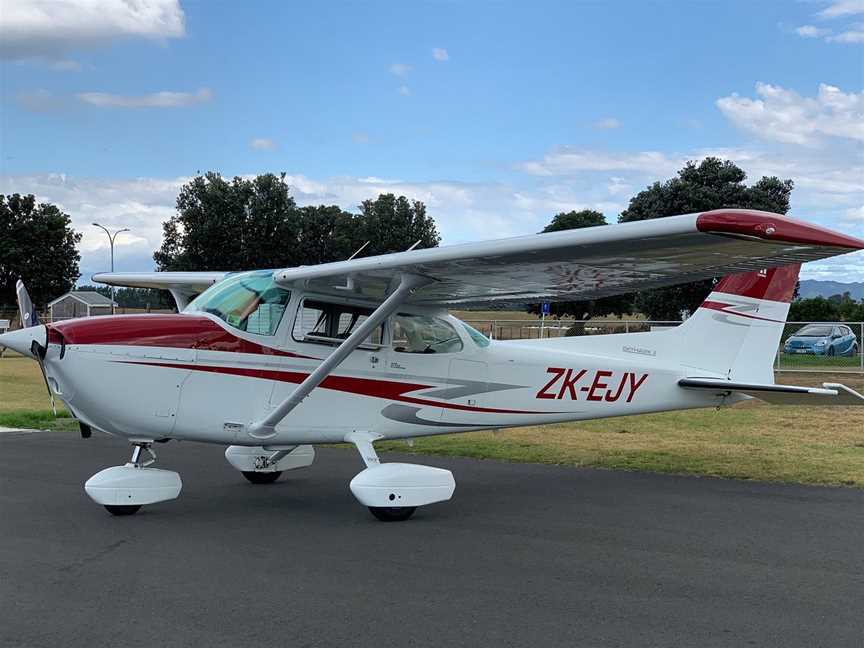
(736, 331)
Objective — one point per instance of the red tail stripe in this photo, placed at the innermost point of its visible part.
(729, 310)
(774, 284)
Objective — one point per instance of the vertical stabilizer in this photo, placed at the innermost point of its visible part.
(736, 331)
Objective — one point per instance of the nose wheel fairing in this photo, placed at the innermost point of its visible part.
(123, 490)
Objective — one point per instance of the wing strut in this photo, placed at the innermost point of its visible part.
(266, 427)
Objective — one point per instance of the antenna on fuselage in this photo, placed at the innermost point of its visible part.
(359, 250)
(416, 243)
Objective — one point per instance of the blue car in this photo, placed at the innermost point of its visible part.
(823, 339)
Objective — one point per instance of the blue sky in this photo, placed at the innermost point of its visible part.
(496, 114)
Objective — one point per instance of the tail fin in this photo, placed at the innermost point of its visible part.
(737, 329)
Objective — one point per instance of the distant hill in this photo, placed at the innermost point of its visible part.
(816, 288)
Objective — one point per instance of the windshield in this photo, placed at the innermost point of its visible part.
(814, 331)
(250, 301)
(479, 339)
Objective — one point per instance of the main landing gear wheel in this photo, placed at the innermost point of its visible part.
(261, 477)
(392, 513)
(122, 509)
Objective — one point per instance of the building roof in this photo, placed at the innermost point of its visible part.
(89, 297)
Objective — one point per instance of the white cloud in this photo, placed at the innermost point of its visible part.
(567, 161)
(809, 31)
(154, 100)
(785, 116)
(855, 216)
(843, 8)
(41, 101)
(47, 28)
(850, 33)
(401, 69)
(140, 204)
(463, 211)
(65, 65)
(608, 123)
(854, 35)
(404, 90)
(360, 138)
(440, 54)
(262, 144)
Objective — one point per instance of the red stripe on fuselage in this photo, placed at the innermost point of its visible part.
(387, 389)
(168, 331)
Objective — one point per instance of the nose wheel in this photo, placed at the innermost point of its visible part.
(261, 477)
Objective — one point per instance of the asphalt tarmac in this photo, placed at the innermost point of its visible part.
(523, 555)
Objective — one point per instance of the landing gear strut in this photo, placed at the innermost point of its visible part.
(123, 490)
(265, 464)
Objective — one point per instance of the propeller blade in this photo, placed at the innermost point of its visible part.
(38, 352)
(29, 317)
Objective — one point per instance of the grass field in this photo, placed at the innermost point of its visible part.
(751, 440)
(819, 363)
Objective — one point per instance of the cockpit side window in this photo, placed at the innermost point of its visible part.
(251, 302)
(424, 334)
(330, 323)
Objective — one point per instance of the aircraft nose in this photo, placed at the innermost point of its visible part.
(22, 339)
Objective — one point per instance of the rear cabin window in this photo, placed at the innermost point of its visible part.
(328, 323)
(424, 334)
(251, 302)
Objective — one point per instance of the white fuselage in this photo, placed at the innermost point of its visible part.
(195, 377)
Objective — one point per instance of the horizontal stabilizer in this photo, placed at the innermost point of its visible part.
(828, 394)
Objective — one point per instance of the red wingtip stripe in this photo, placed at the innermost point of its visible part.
(772, 227)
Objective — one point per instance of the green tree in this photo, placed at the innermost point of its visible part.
(585, 309)
(575, 220)
(814, 309)
(327, 233)
(392, 224)
(38, 246)
(238, 225)
(710, 184)
(247, 224)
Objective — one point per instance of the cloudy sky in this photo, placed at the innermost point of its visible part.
(496, 114)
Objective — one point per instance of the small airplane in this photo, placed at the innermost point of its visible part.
(269, 363)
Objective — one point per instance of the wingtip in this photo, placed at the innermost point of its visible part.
(773, 227)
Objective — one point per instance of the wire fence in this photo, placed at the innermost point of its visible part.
(825, 346)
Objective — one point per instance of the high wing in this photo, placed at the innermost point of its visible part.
(582, 264)
(182, 285)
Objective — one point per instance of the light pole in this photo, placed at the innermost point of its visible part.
(111, 238)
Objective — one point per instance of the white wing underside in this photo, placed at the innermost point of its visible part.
(560, 266)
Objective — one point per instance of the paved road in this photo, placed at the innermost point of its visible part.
(523, 556)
